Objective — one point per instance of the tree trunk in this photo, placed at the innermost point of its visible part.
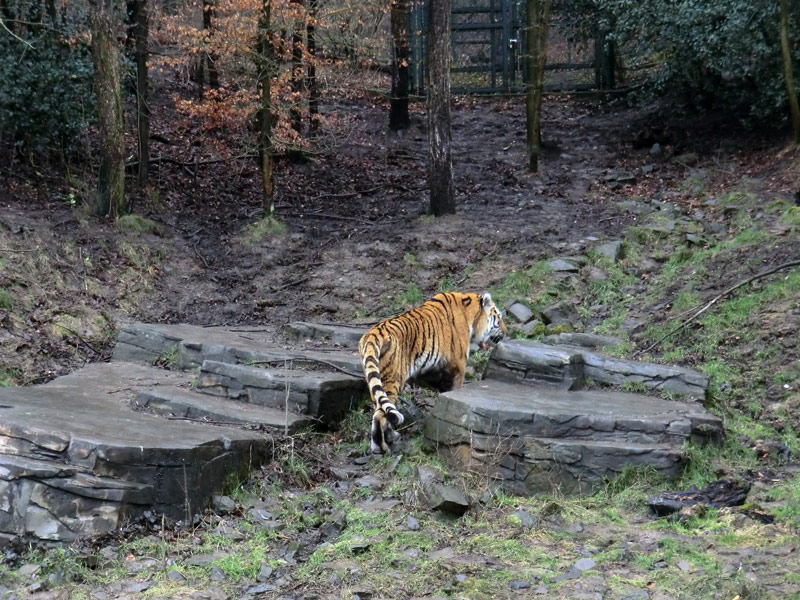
(537, 13)
(791, 92)
(265, 62)
(209, 9)
(311, 41)
(440, 164)
(105, 54)
(142, 100)
(296, 112)
(398, 107)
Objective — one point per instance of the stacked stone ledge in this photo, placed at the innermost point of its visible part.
(532, 425)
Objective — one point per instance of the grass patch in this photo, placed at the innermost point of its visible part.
(409, 297)
(6, 300)
(788, 492)
(259, 231)
(136, 224)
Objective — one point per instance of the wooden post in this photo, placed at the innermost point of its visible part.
(398, 103)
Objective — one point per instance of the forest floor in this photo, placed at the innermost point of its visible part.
(350, 241)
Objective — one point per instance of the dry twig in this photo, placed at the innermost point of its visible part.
(717, 298)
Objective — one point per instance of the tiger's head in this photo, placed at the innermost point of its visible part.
(488, 326)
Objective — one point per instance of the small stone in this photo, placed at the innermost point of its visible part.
(216, 574)
(334, 580)
(139, 587)
(99, 595)
(260, 589)
(28, 570)
(223, 504)
(175, 575)
(202, 560)
(647, 168)
(526, 520)
(687, 159)
(446, 498)
(684, 566)
(427, 474)
(576, 527)
(361, 460)
(561, 313)
(585, 564)
(562, 266)
(359, 546)
(532, 328)
(519, 585)
(640, 595)
(369, 481)
(573, 573)
(541, 589)
(520, 312)
(340, 474)
(461, 578)
(264, 573)
(412, 524)
(656, 151)
(611, 250)
(596, 274)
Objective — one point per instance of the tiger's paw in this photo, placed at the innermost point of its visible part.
(383, 434)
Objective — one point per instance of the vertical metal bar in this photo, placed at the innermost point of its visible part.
(506, 37)
(492, 17)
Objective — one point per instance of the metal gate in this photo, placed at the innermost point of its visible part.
(488, 49)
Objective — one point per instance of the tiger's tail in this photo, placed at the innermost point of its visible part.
(386, 416)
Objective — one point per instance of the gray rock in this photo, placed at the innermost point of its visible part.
(585, 564)
(519, 312)
(324, 396)
(519, 585)
(638, 595)
(175, 576)
(369, 481)
(596, 274)
(427, 474)
(264, 573)
(656, 151)
(362, 460)
(585, 340)
(98, 463)
(193, 344)
(28, 570)
(684, 566)
(561, 313)
(445, 498)
(541, 589)
(202, 560)
(611, 250)
(260, 589)
(562, 266)
(139, 587)
(573, 573)
(412, 524)
(532, 328)
(223, 504)
(526, 520)
(344, 335)
(554, 438)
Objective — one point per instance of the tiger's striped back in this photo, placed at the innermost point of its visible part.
(433, 337)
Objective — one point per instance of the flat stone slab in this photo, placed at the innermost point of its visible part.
(571, 367)
(539, 438)
(184, 403)
(75, 459)
(343, 335)
(187, 346)
(323, 396)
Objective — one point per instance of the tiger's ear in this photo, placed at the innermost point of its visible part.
(486, 300)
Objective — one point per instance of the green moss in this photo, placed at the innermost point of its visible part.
(6, 300)
(266, 228)
(136, 224)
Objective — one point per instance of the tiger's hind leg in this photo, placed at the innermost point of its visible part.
(384, 421)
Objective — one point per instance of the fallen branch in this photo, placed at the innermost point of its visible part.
(717, 298)
(368, 191)
(291, 284)
(326, 216)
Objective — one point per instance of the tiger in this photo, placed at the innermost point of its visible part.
(433, 338)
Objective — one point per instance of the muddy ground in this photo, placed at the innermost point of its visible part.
(358, 245)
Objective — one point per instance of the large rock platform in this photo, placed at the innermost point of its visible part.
(86, 452)
(530, 426)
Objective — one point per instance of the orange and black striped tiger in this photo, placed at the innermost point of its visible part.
(434, 337)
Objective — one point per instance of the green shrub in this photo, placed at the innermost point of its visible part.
(46, 76)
